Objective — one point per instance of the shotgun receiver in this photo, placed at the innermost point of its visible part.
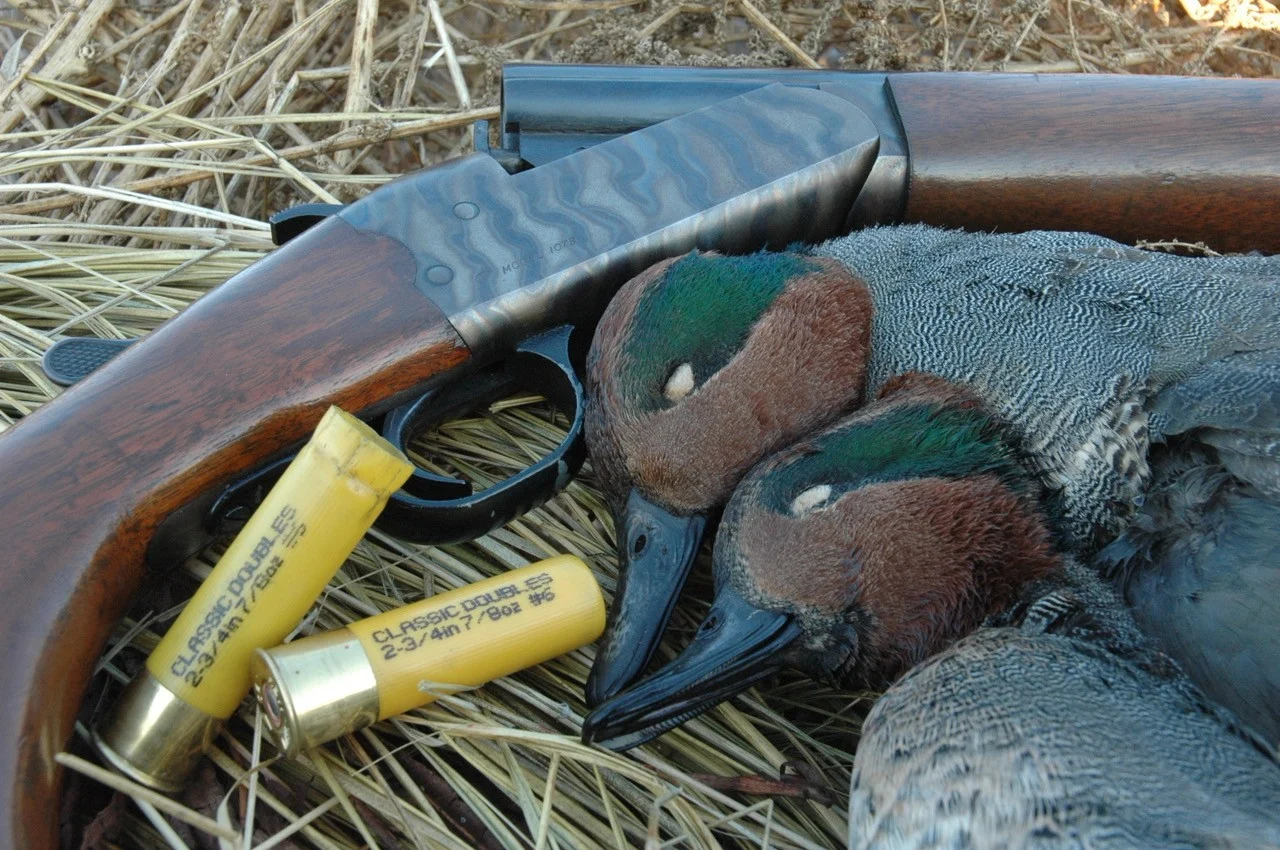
(598, 173)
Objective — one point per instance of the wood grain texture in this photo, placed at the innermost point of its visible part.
(331, 318)
(1128, 157)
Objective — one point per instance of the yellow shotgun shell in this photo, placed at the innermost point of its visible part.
(321, 687)
(260, 589)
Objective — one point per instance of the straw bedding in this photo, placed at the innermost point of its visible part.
(145, 143)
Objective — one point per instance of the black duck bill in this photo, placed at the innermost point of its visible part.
(655, 554)
(736, 646)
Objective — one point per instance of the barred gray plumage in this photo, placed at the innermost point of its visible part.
(1057, 729)
(1096, 352)
(1068, 335)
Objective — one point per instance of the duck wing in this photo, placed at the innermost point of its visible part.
(1012, 739)
(1233, 405)
(1200, 565)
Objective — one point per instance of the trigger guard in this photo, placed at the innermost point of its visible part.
(424, 511)
(433, 408)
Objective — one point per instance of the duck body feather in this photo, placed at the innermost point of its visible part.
(1119, 372)
(1054, 728)
(907, 547)
(1199, 570)
(1068, 336)
(1146, 390)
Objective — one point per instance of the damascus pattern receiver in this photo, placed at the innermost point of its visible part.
(419, 284)
(595, 173)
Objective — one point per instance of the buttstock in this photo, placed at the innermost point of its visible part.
(1130, 157)
(331, 318)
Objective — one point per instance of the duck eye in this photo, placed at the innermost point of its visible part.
(680, 383)
(811, 500)
(710, 624)
(638, 546)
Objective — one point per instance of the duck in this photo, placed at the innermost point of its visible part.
(910, 548)
(1123, 371)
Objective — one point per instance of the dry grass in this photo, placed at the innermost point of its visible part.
(145, 143)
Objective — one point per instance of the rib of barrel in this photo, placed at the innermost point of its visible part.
(507, 255)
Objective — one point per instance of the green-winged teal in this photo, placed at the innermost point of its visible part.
(911, 537)
(1144, 387)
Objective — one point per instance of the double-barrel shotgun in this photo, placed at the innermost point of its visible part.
(592, 174)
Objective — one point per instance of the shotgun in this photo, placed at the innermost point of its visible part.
(593, 174)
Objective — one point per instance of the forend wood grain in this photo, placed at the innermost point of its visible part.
(1125, 156)
(246, 371)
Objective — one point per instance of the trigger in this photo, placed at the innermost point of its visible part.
(433, 408)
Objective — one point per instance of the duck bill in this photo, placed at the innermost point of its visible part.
(656, 549)
(737, 645)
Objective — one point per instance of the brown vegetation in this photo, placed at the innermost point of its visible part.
(145, 143)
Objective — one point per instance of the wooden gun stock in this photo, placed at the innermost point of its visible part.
(335, 316)
(442, 270)
(1129, 157)
(332, 317)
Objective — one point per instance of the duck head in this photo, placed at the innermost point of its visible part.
(854, 555)
(701, 366)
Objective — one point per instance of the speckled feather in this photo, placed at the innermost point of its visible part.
(1058, 731)
(1035, 713)
(1067, 335)
(1147, 391)
(1093, 351)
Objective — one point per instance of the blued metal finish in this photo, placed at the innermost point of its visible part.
(883, 199)
(556, 109)
(293, 222)
(550, 245)
(424, 516)
(551, 111)
(507, 157)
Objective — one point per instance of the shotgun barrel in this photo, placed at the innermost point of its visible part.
(595, 174)
(1130, 157)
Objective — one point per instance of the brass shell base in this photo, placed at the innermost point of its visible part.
(315, 689)
(153, 736)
